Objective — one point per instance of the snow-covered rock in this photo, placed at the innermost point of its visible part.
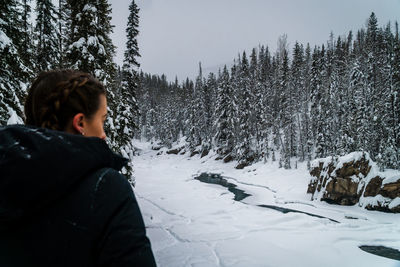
(355, 179)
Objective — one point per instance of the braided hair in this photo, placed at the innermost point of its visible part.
(56, 96)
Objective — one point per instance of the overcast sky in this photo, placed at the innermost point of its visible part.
(176, 34)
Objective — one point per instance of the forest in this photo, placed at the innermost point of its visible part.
(289, 105)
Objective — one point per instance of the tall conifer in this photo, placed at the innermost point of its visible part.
(48, 51)
(13, 70)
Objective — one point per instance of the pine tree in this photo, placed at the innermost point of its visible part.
(359, 89)
(389, 152)
(296, 95)
(197, 113)
(275, 105)
(89, 47)
(193, 137)
(285, 102)
(129, 69)
(234, 82)
(48, 51)
(396, 91)
(187, 91)
(373, 91)
(127, 115)
(330, 98)
(255, 109)
(225, 113)
(257, 67)
(63, 20)
(306, 131)
(263, 103)
(25, 44)
(244, 150)
(322, 142)
(13, 71)
(316, 92)
(208, 99)
(341, 99)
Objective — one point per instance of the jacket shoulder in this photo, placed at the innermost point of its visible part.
(123, 240)
(112, 178)
(109, 187)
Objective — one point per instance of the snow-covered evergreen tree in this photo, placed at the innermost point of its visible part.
(63, 16)
(131, 64)
(13, 71)
(25, 44)
(209, 99)
(286, 115)
(244, 149)
(262, 105)
(225, 112)
(47, 51)
(197, 117)
(127, 115)
(89, 47)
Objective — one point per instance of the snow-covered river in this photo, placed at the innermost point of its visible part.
(192, 223)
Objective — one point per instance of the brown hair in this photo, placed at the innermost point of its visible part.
(55, 97)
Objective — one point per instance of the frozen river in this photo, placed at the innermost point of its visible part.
(194, 223)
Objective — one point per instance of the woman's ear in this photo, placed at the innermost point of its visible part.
(78, 123)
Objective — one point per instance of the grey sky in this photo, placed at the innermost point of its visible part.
(176, 34)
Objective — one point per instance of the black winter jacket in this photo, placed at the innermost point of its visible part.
(63, 203)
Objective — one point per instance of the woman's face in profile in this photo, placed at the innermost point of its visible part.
(95, 126)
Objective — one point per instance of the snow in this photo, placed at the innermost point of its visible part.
(374, 201)
(354, 156)
(191, 223)
(101, 51)
(92, 40)
(126, 130)
(14, 118)
(89, 7)
(394, 203)
(391, 176)
(98, 73)
(124, 154)
(79, 43)
(4, 40)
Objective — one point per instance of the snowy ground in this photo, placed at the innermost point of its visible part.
(191, 223)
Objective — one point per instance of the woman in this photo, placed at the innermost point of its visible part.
(62, 199)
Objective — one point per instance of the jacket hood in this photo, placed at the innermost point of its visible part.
(39, 166)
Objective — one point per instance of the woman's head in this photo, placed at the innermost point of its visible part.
(67, 100)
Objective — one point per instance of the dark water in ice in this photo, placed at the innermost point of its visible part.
(211, 178)
(382, 251)
(285, 210)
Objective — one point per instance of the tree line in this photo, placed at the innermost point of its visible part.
(310, 102)
(74, 34)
